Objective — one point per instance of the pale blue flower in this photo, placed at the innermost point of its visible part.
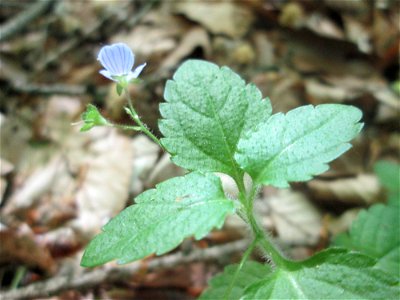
(117, 60)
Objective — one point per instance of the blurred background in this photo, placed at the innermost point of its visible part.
(59, 186)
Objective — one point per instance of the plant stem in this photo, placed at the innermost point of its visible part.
(239, 268)
(264, 241)
(242, 190)
(19, 274)
(126, 127)
(260, 236)
(135, 117)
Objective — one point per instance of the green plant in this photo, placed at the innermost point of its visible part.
(213, 122)
(375, 232)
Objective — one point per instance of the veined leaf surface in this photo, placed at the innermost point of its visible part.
(298, 145)
(250, 273)
(376, 232)
(207, 111)
(331, 274)
(161, 218)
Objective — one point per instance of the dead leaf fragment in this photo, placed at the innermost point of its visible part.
(38, 183)
(343, 222)
(222, 17)
(282, 90)
(105, 184)
(294, 217)
(360, 190)
(323, 26)
(322, 93)
(19, 245)
(145, 155)
(157, 36)
(196, 37)
(163, 170)
(5, 167)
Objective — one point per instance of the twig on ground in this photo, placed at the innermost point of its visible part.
(115, 273)
(19, 82)
(50, 89)
(17, 23)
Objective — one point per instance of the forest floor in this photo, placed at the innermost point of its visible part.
(59, 186)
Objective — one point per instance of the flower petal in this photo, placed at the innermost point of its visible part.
(136, 72)
(106, 59)
(128, 58)
(106, 74)
(118, 59)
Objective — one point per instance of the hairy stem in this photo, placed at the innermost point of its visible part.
(135, 117)
(126, 127)
(239, 268)
(247, 199)
(266, 244)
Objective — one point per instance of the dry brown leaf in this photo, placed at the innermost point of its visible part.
(163, 170)
(148, 42)
(352, 162)
(19, 245)
(15, 133)
(321, 93)
(61, 242)
(38, 183)
(282, 89)
(385, 31)
(349, 88)
(87, 174)
(389, 108)
(5, 167)
(295, 219)
(219, 17)
(155, 37)
(55, 122)
(44, 170)
(358, 33)
(343, 222)
(360, 190)
(264, 49)
(105, 181)
(387, 113)
(312, 53)
(323, 26)
(71, 18)
(146, 153)
(196, 37)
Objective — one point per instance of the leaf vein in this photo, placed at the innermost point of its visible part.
(291, 143)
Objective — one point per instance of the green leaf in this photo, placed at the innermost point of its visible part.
(298, 145)
(376, 232)
(161, 219)
(389, 176)
(331, 274)
(251, 272)
(92, 117)
(208, 109)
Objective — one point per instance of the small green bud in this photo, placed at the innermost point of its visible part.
(92, 117)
